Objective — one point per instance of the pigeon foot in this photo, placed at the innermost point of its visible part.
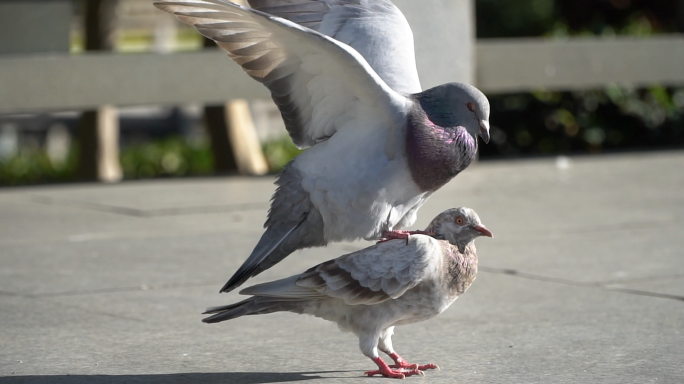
(399, 362)
(393, 235)
(386, 371)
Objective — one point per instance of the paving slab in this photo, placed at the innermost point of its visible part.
(584, 282)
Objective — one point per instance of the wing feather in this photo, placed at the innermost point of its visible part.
(314, 80)
(375, 28)
(370, 276)
(378, 273)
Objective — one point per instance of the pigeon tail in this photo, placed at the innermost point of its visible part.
(293, 223)
(267, 248)
(253, 306)
(277, 243)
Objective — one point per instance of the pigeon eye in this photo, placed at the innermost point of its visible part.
(460, 220)
(471, 106)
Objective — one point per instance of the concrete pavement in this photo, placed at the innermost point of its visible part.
(583, 282)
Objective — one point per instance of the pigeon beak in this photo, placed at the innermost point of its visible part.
(484, 130)
(483, 230)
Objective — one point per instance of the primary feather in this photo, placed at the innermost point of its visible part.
(376, 29)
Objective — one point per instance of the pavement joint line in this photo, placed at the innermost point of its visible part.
(655, 224)
(25, 296)
(574, 231)
(4, 245)
(142, 213)
(553, 234)
(645, 293)
(134, 212)
(643, 279)
(95, 311)
(205, 209)
(140, 288)
(87, 205)
(556, 280)
(500, 271)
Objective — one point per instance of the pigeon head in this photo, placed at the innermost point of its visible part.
(457, 104)
(459, 226)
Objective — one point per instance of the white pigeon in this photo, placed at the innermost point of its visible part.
(379, 146)
(371, 291)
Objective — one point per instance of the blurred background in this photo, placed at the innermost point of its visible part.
(58, 138)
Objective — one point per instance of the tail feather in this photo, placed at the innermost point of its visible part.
(268, 249)
(224, 308)
(293, 223)
(255, 305)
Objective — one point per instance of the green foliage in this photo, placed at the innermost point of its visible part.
(169, 157)
(279, 152)
(32, 166)
(560, 18)
(497, 18)
(615, 118)
(173, 156)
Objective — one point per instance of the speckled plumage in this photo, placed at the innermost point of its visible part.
(371, 291)
(379, 146)
(461, 267)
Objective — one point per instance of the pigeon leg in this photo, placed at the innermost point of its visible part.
(385, 345)
(386, 371)
(393, 235)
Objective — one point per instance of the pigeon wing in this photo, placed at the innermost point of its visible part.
(366, 277)
(318, 83)
(375, 28)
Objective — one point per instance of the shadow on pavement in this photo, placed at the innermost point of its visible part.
(180, 378)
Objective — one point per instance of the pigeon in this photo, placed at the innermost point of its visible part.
(371, 291)
(378, 146)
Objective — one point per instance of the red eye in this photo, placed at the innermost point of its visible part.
(460, 220)
(471, 106)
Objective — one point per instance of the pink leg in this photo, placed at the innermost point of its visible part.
(392, 235)
(399, 362)
(386, 371)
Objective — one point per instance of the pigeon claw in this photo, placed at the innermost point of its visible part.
(395, 373)
(391, 373)
(428, 366)
(395, 235)
(399, 371)
(399, 362)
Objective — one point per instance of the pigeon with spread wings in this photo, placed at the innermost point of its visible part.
(371, 291)
(379, 146)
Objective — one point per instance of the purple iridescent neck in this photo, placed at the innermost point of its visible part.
(436, 154)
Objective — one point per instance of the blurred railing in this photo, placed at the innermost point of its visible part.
(41, 82)
(38, 82)
(513, 65)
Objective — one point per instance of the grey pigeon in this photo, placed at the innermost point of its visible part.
(379, 146)
(371, 291)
